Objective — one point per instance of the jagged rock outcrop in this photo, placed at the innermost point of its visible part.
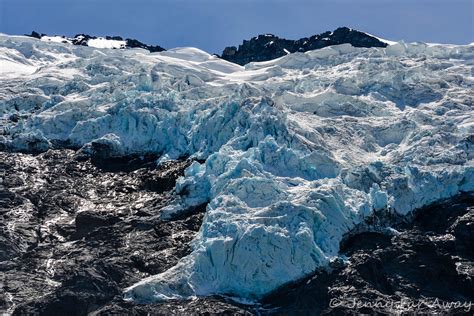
(260, 48)
(83, 40)
(268, 46)
(133, 43)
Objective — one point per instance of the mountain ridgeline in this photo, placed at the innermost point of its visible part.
(260, 48)
(83, 40)
(336, 181)
(268, 46)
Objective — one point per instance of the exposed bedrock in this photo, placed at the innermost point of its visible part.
(74, 233)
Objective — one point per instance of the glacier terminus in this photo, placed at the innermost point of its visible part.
(289, 155)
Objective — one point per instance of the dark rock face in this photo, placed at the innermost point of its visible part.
(81, 39)
(427, 259)
(34, 34)
(133, 43)
(260, 48)
(75, 231)
(268, 46)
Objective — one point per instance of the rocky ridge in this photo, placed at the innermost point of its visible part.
(259, 48)
(268, 46)
(83, 40)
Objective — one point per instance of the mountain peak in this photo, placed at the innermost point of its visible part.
(98, 42)
(268, 46)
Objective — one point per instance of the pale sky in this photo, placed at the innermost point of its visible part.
(213, 24)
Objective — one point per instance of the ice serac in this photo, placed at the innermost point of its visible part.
(297, 151)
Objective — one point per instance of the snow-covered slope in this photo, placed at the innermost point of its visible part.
(99, 42)
(115, 42)
(297, 150)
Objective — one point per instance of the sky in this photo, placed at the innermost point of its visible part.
(214, 24)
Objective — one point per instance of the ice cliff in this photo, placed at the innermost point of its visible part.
(297, 151)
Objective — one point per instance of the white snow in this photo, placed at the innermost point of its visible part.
(101, 42)
(383, 40)
(298, 150)
(56, 39)
(12, 64)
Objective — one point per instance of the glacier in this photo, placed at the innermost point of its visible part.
(290, 154)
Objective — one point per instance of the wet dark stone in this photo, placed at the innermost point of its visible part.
(95, 290)
(88, 221)
(201, 306)
(125, 164)
(268, 46)
(76, 231)
(463, 230)
(413, 265)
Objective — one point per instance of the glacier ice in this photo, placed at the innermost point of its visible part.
(295, 152)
